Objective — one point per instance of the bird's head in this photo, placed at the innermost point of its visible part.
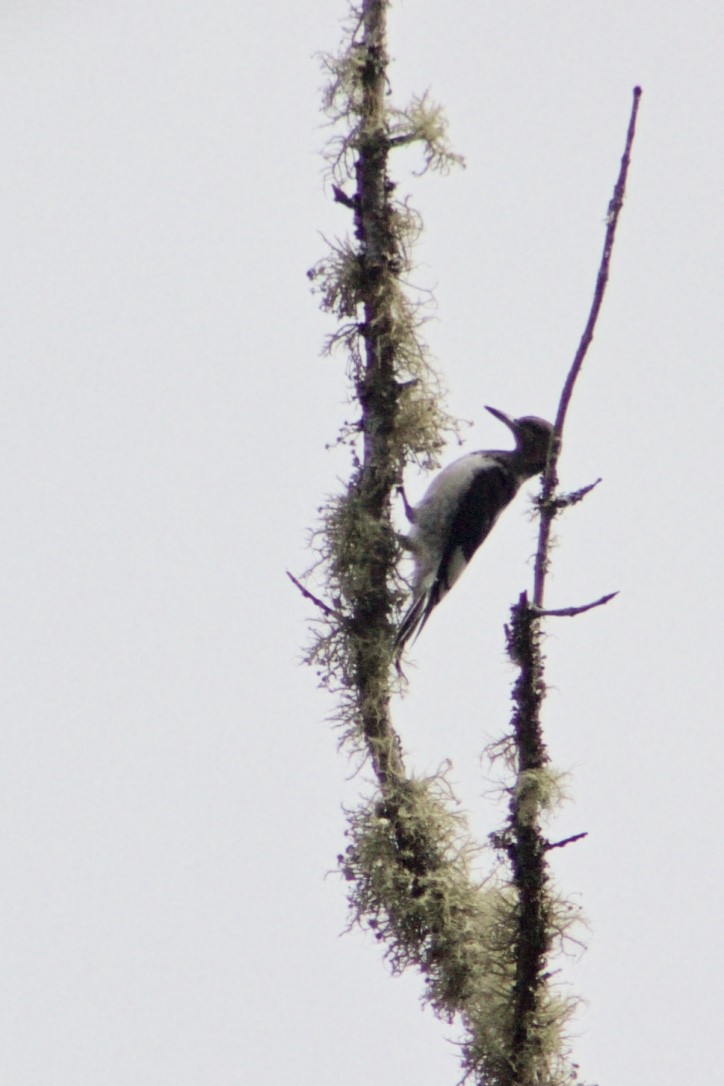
(532, 439)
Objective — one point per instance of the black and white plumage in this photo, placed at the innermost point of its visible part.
(459, 509)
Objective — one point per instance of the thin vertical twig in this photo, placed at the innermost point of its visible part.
(550, 478)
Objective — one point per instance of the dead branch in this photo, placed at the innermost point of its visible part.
(329, 612)
(550, 478)
(570, 612)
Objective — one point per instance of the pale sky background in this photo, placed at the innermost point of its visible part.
(171, 791)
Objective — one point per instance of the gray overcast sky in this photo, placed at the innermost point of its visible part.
(170, 792)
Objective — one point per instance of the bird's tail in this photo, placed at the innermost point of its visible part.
(414, 619)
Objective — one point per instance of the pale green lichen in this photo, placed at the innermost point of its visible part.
(409, 863)
(538, 792)
(424, 121)
(412, 882)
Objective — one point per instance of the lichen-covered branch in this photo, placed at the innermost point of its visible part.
(408, 857)
(526, 849)
(396, 390)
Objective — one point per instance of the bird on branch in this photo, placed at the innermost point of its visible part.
(458, 511)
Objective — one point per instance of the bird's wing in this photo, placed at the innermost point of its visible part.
(487, 494)
(454, 517)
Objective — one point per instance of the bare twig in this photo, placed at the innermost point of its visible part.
(566, 841)
(563, 501)
(570, 612)
(550, 478)
(328, 611)
(341, 197)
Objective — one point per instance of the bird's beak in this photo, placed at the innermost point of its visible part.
(509, 422)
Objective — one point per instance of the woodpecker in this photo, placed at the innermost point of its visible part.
(459, 509)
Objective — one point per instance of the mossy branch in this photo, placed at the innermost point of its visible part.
(408, 860)
(360, 282)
